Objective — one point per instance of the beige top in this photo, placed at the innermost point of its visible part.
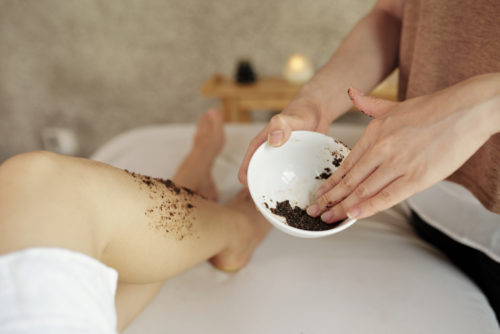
(442, 43)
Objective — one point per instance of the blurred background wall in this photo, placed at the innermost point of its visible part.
(99, 67)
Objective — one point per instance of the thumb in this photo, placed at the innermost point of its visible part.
(280, 128)
(277, 132)
(370, 105)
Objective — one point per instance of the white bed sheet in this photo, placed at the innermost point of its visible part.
(375, 277)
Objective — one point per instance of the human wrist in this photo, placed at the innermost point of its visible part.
(492, 115)
(318, 95)
(484, 91)
(493, 104)
(303, 105)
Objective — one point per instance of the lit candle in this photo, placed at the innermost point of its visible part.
(298, 69)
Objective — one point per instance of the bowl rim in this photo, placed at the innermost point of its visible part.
(272, 217)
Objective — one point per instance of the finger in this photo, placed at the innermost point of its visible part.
(277, 132)
(370, 105)
(373, 184)
(356, 153)
(394, 193)
(333, 215)
(282, 125)
(362, 170)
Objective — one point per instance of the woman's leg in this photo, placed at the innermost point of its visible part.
(147, 229)
(194, 172)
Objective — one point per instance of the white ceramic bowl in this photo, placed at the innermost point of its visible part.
(291, 172)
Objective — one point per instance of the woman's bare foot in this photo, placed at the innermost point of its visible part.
(195, 172)
(251, 231)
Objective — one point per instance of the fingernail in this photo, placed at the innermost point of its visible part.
(275, 138)
(327, 217)
(349, 92)
(356, 91)
(313, 210)
(354, 213)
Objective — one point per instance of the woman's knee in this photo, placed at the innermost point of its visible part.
(27, 170)
(39, 206)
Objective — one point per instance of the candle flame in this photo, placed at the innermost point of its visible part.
(297, 62)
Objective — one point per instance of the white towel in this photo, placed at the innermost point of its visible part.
(53, 290)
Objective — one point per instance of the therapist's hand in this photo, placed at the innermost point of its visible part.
(301, 114)
(408, 147)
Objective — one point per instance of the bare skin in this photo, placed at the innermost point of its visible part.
(391, 161)
(146, 230)
(410, 146)
(195, 171)
(366, 56)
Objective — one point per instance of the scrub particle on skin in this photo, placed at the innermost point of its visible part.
(172, 208)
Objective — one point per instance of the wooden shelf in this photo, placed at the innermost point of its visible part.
(269, 93)
(239, 99)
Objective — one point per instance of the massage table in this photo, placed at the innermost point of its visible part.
(375, 277)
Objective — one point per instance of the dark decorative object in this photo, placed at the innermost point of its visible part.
(245, 73)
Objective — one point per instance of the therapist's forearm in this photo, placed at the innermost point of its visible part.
(365, 57)
(481, 95)
(494, 107)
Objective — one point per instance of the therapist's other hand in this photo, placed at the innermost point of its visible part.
(408, 147)
(300, 114)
